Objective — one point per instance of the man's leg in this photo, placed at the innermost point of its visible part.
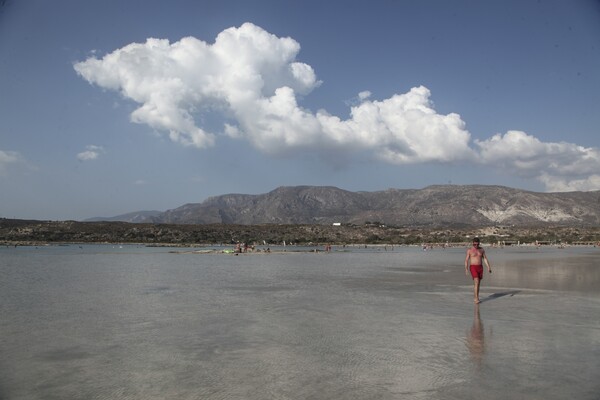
(476, 289)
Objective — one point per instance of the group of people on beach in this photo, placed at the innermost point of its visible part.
(243, 247)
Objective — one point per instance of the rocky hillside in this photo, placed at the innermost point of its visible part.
(135, 217)
(433, 206)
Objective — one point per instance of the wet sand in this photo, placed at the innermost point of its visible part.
(149, 324)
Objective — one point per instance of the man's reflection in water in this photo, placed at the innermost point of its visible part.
(476, 339)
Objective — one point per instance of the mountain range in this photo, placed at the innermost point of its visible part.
(439, 205)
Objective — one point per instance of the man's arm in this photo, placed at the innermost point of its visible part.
(467, 263)
(485, 259)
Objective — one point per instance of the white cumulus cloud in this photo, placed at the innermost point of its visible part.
(174, 82)
(562, 184)
(559, 166)
(253, 81)
(91, 152)
(252, 78)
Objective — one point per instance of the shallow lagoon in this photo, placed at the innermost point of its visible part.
(103, 322)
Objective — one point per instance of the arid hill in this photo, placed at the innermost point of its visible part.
(434, 206)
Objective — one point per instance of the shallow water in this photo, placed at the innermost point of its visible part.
(103, 322)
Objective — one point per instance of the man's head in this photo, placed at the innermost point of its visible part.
(476, 242)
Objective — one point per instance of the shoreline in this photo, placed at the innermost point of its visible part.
(293, 248)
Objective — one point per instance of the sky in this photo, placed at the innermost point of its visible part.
(109, 107)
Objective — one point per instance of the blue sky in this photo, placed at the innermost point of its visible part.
(117, 106)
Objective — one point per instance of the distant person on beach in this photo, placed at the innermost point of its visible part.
(474, 264)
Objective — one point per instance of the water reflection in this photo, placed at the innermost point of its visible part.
(548, 270)
(476, 338)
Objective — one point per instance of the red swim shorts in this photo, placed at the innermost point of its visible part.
(477, 271)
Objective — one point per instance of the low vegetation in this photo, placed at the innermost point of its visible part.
(41, 232)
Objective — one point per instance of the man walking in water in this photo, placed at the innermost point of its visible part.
(474, 262)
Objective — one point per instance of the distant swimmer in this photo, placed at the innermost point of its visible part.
(474, 263)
